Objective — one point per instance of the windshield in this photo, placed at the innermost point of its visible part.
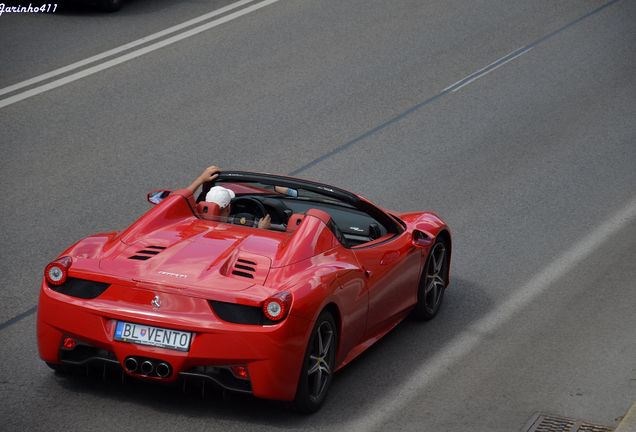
(282, 192)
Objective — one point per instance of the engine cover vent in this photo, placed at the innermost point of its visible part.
(147, 253)
(249, 266)
(244, 268)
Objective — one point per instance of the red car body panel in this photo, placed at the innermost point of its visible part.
(370, 288)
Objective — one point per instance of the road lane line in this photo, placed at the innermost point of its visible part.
(388, 123)
(397, 118)
(132, 55)
(460, 346)
(482, 69)
(18, 318)
(122, 48)
(486, 70)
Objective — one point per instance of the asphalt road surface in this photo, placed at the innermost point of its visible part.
(514, 120)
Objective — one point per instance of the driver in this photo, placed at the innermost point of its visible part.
(221, 196)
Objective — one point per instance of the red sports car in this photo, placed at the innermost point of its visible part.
(188, 292)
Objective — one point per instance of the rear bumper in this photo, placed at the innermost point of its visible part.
(273, 354)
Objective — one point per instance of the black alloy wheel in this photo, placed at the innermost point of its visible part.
(432, 283)
(318, 366)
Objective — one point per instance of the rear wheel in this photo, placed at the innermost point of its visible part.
(432, 283)
(318, 365)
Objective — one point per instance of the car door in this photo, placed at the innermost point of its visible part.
(392, 269)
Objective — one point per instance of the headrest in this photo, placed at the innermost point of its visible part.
(208, 210)
(323, 216)
(294, 221)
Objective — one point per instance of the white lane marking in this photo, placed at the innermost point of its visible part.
(131, 55)
(122, 48)
(460, 346)
(487, 69)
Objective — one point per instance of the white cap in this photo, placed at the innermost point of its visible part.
(220, 195)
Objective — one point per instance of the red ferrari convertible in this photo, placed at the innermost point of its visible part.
(188, 293)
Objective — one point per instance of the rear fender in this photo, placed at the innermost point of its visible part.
(90, 247)
(176, 207)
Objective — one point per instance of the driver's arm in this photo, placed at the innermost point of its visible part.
(208, 174)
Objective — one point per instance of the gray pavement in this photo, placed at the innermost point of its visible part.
(522, 162)
(38, 43)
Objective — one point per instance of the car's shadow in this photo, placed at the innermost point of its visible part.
(355, 389)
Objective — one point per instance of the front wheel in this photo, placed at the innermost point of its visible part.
(432, 283)
(318, 365)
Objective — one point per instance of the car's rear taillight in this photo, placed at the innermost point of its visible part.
(57, 271)
(277, 306)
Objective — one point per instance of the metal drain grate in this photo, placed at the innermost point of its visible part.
(551, 423)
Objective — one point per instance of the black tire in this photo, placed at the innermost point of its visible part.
(433, 281)
(111, 5)
(318, 365)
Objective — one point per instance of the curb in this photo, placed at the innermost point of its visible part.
(628, 424)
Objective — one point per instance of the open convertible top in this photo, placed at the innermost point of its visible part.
(320, 192)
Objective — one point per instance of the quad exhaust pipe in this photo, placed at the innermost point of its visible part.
(163, 370)
(147, 367)
(131, 364)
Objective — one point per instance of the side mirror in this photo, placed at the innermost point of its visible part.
(421, 239)
(156, 196)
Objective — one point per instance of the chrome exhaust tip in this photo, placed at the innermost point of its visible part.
(147, 367)
(131, 364)
(163, 370)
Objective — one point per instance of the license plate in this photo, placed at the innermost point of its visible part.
(152, 336)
